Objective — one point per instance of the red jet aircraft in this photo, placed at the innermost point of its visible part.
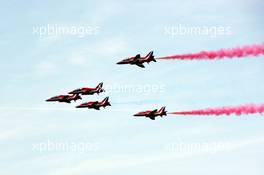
(152, 114)
(65, 98)
(95, 104)
(138, 60)
(89, 91)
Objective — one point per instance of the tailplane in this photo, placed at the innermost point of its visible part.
(162, 111)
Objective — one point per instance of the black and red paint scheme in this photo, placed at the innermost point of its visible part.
(65, 98)
(152, 114)
(138, 60)
(89, 91)
(95, 104)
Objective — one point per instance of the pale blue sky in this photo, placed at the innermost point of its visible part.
(34, 69)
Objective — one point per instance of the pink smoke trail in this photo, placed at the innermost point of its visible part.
(252, 50)
(236, 110)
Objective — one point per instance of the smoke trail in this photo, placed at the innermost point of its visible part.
(236, 110)
(253, 50)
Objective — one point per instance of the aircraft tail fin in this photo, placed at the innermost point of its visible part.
(150, 57)
(100, 85)
(99, 88)
(162, 111)
(105, 102)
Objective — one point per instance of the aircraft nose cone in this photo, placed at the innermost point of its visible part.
(49, 99)
(78, 106)
(120, 62)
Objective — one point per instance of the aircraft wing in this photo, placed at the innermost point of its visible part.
(152, 113)
(152, 118)
(95, 105)
(65, 98)
(140, 65)
(135, 59)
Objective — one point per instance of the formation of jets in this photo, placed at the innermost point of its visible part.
(138, 60)
(76, 94)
